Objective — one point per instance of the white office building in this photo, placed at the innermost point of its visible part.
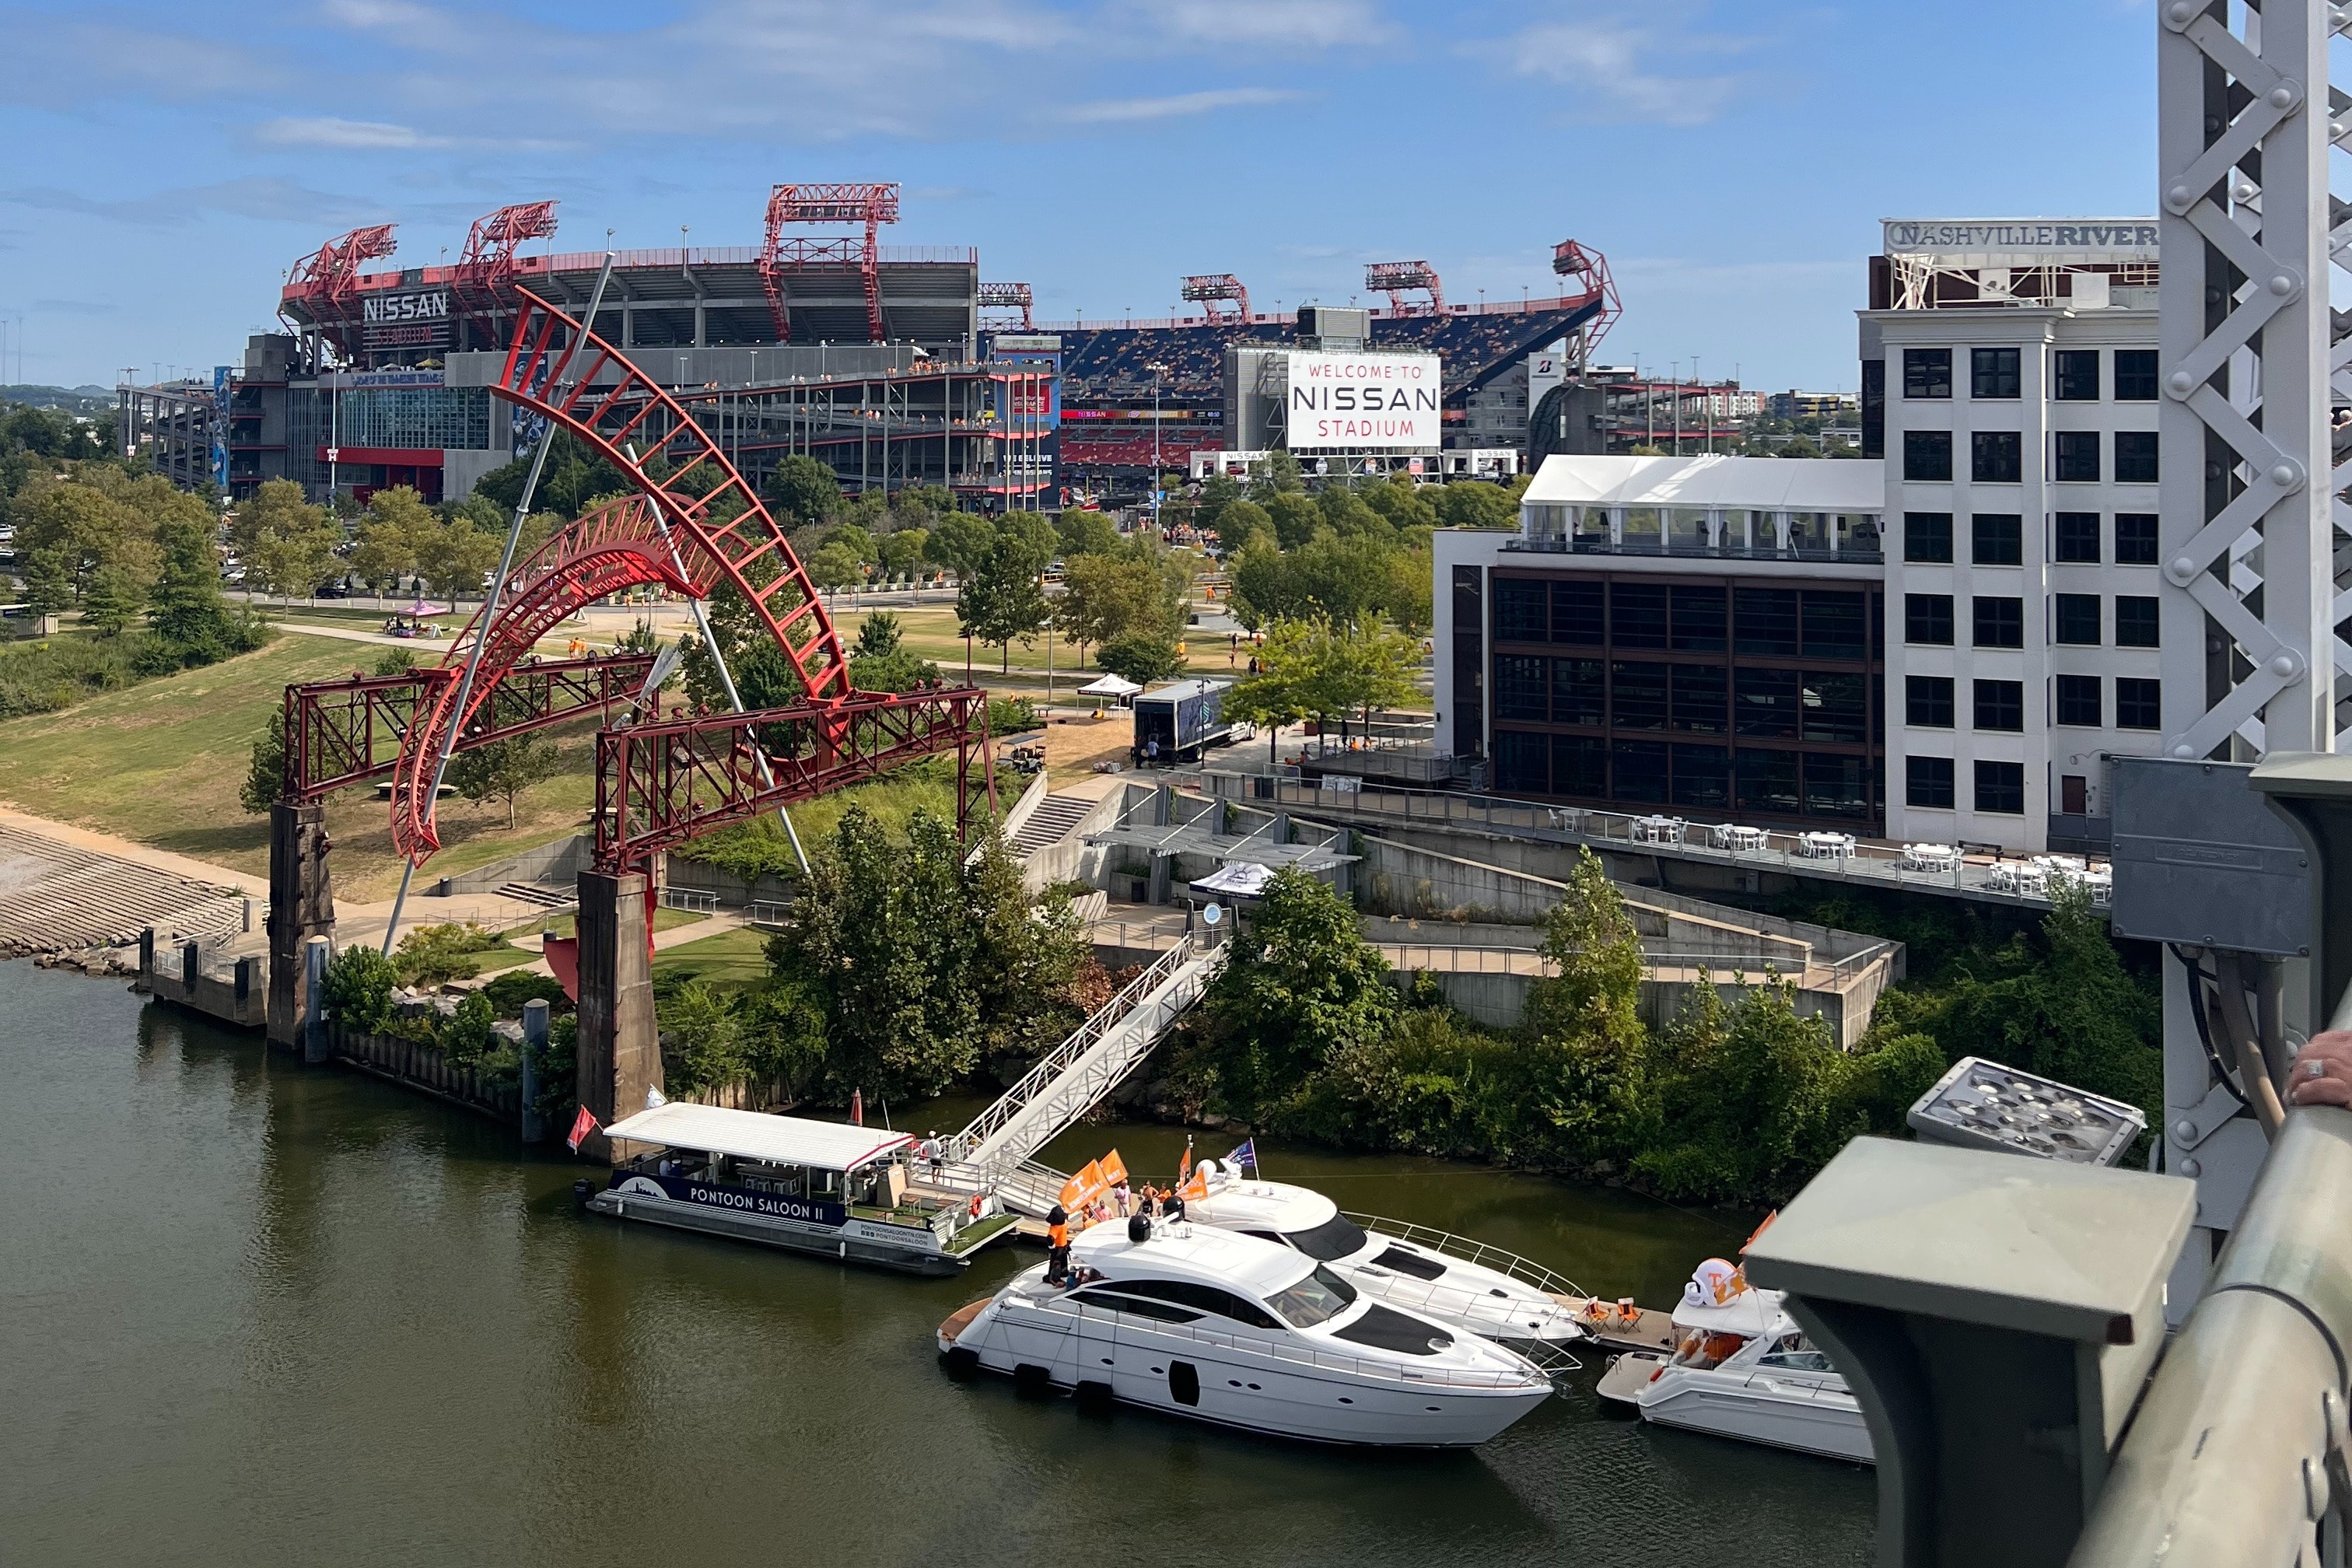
(1946, 641)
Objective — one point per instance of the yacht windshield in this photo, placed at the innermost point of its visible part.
(1335, 1237)
(1317, 1298)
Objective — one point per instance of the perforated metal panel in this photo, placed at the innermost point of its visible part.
(2201, 860)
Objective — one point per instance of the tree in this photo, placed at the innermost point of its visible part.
(265, 773)
(453, 556)
(1002, 599)
(1270, 698)
(502, 770)
(1301, 984)
(1084, 532)
(1295, 518)
(1106, 598)
(960, 543)
(901, 552)
(191, 622)
(112, 599)
(81, 531)
(1141, 657)
(288, 544)
(880, 661)
(836, 566)
(802, 489)
(1317, 667)
(1473, 503)
(1240, 522)
(396, 524)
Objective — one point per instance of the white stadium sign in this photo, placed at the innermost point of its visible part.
(1364, 400)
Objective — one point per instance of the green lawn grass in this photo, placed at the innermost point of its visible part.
(732, 960)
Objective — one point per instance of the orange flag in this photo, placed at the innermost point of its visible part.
(1195, 1188)
(1114, 1169)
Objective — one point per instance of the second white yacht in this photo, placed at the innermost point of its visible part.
(1206, 1323)
(1377, 1259)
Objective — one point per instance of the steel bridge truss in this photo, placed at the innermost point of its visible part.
(662, 783)
(2245, 120)
(344, 732)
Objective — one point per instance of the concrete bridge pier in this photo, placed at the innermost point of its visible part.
(619, 1051)
(301, 905)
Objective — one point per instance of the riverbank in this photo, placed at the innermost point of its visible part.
(293, 1301)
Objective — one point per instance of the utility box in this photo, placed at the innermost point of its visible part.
(1178, 723)
(1982, 1104)
(2203, 861)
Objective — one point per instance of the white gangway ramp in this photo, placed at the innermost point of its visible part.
(1072, 1078)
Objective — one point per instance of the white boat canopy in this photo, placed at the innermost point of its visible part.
(753, 1135)
(1109, 686)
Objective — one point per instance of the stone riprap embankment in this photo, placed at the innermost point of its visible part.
(56, 899)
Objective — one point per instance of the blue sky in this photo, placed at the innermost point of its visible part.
(170, 162)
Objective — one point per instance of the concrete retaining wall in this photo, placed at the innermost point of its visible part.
(1500, 1001)
(236, 993)
(554, 864)
(731, 890)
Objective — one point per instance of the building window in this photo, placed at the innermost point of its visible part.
(1928, 782)
(2075, 376)
(2077, 458)
(1928, 538)
(1927, 455)
(1836, 707)
(1927, 372)
(1836, 625)
(2078, 701)
(1637, 614)
(1764, 621)
(1469, 662)
(2001, 705)
(1767, 704)
(1993, 373)
(2135, 457)
(2000, 787)
(2136, 625)
(1575, 614)
(2135, 375)
(1836, 785)
(1519, 758)
(1927, 619)
(1701, 694)
(1996, 457)
(2140, 704)
(1522, 688)
(2074, 619)
(1637, 696)
(1996, 539)
(2076, 538)
(1928, 701)
(1522, 610)
(1768, 781)
(1874, 408)
(2134, 539)
(1580, 692)
(1579, 765)
(1701, 620)
(2000, 621)
(1638, 772)
(1702, 777)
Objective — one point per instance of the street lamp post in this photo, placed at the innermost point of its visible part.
(1159, 375)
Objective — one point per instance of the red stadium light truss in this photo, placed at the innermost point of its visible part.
(1398, 279)
(326, 279)
(348, 732)
(487, 262)
(724, 534)
(871, 204)
(664, 783)
(1589, 268)
(1214, 288)
(1007, 297)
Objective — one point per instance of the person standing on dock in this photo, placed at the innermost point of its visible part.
(1057, 1241)
(932, 1152)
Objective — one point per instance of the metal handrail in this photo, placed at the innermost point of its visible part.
(1526, 1270)
(999, 1115)
(1279, 1349)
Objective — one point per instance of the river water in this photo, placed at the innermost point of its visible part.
(252, 1313)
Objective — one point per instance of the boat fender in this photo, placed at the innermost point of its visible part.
(964, 1362)
(1138, 1228)
(975, 1206)
(1656, 1373)
(581, 1192)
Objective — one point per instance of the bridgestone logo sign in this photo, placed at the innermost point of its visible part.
(1364, 401)
(432, 305)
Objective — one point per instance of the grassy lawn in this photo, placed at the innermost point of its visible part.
(663, 919)
(161, 764)
(732, 961)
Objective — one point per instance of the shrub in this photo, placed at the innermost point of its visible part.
(508, 991)
(436, 954)
(359, 989)
(1012, 715)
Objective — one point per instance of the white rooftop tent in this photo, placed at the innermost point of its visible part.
(752, 1135)
(1114, 686)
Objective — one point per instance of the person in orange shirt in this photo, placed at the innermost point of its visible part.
(1057, 1241)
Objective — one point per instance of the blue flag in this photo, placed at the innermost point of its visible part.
(1244, 1155)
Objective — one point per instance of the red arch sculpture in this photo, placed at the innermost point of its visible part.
(556, 367)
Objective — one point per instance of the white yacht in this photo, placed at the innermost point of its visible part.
(1377, 1259)
(1206, 1323)
(1743, 1369)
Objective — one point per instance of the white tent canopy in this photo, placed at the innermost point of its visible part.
(1109, 686)
(1244, 878)
(754, 1135)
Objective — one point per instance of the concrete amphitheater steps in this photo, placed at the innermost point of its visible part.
(55, 897)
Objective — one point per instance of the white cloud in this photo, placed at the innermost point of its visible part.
(1624, 58)
(262, 197)
(1297, 24)
(1114, 111)
(330, 131)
